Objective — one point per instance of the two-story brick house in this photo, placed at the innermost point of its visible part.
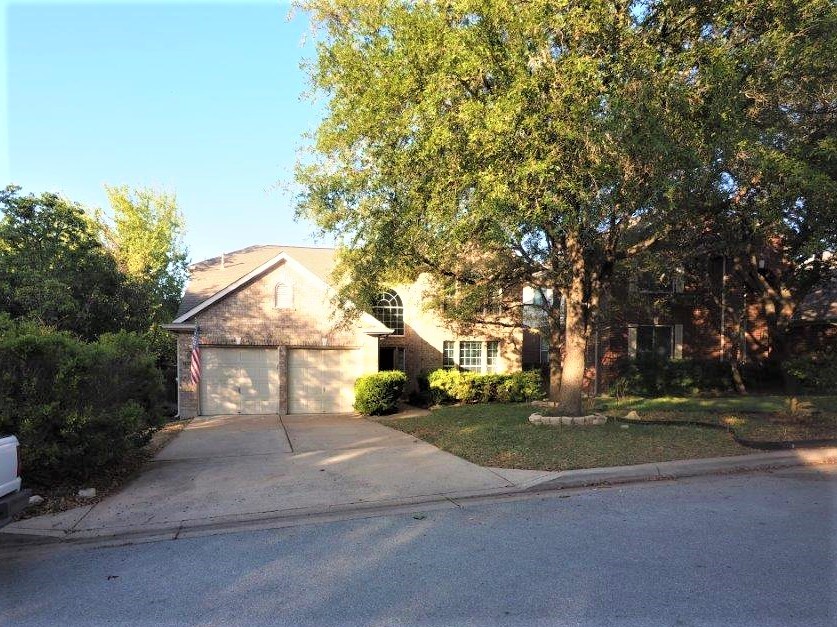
(272, 340)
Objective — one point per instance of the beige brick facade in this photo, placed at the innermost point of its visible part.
(249, 317)
(425, 333)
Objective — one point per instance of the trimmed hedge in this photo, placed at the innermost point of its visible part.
(450, 386)
(378, 394)
(814, 372)
(76, 407)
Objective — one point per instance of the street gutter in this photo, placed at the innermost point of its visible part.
(565, 480)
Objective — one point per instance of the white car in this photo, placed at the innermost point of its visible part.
(12, 498)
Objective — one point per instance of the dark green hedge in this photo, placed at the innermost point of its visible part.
(450, 386)
(651, 376)
(813, 373)
(76, 407)
(378, 394)
(683, 377)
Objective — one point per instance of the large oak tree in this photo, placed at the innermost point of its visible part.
(494, 144)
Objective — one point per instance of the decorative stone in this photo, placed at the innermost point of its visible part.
(543, 403)
(568, 421)
(87, 493)
(632, 415)
(36, 499)
(624, 426)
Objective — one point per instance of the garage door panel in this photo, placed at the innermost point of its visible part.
(321, 381)
(239, 381)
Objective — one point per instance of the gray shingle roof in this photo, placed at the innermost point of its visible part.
(819, 305)
(207, 278)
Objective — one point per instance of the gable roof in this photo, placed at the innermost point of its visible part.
(209, 282)
(207, 278)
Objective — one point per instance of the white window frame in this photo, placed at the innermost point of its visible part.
(676, 339)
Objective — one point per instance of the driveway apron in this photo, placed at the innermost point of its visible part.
(238, 465)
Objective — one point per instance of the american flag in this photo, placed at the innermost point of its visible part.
(196, 357)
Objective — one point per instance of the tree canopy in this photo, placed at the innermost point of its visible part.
(496, 144)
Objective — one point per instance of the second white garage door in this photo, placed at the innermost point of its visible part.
(321, 381)
(239, 381)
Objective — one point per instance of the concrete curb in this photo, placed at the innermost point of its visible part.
(285, 518)
(684, 468)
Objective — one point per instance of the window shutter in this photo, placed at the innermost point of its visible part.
(678, 341)
(632, 283)
(632, 340)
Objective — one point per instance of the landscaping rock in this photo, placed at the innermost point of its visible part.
(568, 421)
(632, 415)
(87, 493)
(36, 499)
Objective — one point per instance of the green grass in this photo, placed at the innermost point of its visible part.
(500, 435)
(711, 404)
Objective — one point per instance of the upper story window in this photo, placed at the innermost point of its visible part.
(283, 296)
(665, 282)
(390, 311)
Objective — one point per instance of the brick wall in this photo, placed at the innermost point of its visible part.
(248, 317)
(425, 332)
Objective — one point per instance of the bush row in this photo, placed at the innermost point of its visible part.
(378, 394)
(450, 386)
(649, 376)
(76, 407)
(813, 373)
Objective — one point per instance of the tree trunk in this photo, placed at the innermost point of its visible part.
(555, 353)
(575, 345)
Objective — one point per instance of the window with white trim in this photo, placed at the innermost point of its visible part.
(470, 356)
(648, 340)
(390, 311)
(283, 296)
(448, 355)
(492, 355)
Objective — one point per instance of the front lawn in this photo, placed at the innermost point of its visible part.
(501, 435)
(756, 403)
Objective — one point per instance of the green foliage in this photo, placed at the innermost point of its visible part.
(76, 407)
(54, 269)
(650, 376)
(449, 385)
(377, 394)
(813, 372)
(147, 242)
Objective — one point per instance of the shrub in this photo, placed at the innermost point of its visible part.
(378, 393)
(652, 376)
(76, 407)
(813, 372)
(448, 386)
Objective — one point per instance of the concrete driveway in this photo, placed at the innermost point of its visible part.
(225, 467)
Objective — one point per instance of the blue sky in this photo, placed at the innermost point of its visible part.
(200, 99)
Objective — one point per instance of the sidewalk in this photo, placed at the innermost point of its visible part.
(68, 526)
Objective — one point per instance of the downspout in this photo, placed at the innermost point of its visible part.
(596, 361)
(723, 303)
(177, 359)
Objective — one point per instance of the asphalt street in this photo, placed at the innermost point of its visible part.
(755, 549)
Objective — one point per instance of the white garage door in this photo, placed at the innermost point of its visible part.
(239, 381)
(321, 381)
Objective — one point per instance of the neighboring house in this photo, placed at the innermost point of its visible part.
(272, 341)
(696, 314)
(814, 324)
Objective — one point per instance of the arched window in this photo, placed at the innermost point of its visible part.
(390, 310)
(283, 296)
